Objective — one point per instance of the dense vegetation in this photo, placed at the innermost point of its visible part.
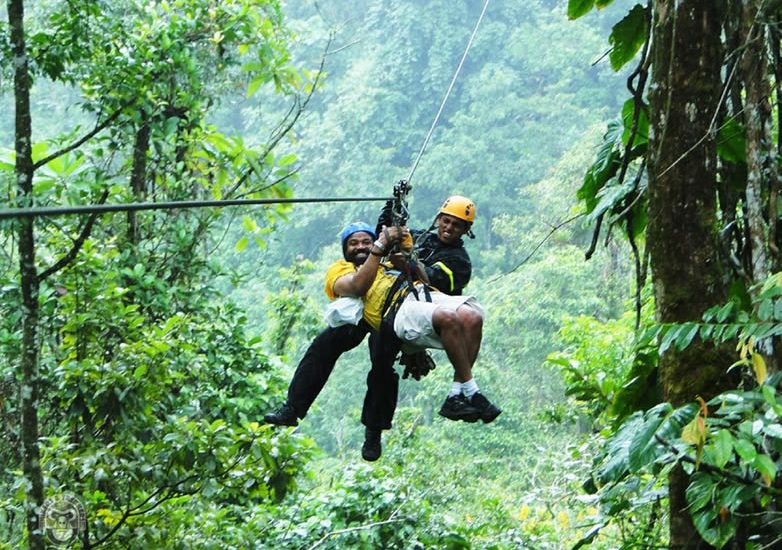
(139, 350)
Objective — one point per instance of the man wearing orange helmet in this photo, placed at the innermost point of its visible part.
(453, 325)
(442, 252)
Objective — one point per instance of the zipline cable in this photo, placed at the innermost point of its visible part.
(447, 93)
(50, 211)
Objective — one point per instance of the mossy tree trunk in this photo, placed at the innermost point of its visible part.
(683, 242)
(30, 383)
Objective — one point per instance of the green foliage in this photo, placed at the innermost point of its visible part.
(603, 191)
(154, 379)
(152, 402)
(730, 446)
(578, 8)
(732, 454)
(595, 361)
(732, 142)
(150, 385)
(291, 307)
(628, 36)
(733, 321)
(603, 169)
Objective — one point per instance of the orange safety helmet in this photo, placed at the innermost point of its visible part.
(459, 207)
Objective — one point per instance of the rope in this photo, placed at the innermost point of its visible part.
(448, 92)
(8, 213)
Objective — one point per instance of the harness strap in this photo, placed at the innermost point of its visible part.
(396, 294)
(427, 294)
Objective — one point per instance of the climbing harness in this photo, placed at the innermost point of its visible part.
(399, 215)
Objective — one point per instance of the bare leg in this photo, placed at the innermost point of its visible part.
(472, 324)
(449, 326)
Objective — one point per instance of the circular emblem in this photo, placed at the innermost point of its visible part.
(62, 519)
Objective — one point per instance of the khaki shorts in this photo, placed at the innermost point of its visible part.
(413, 322)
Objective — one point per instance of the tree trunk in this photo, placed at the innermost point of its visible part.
(682, 240)
(31, 465)
(138, 177)
(761, 170)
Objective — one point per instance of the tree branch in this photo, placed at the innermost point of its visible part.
(133, 510)
(286, 124)
(595, 236)
(78, 143)
(287, 176)
(77, 244)
(172, 492)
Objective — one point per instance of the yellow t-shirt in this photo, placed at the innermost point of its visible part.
(375, 296)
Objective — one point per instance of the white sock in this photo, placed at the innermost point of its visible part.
(456, 389)
(469, 388)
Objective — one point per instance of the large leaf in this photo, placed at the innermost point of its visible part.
(732, 142)
(577, 8)
(766, 467)
(604, 168)
(641, 136)
(746, 450)
(641, 391)
(617, 450)
(675, 422)
(628, 36)
(701, 495)
(721, 448)
(759, 366)
(611, 197)
(645, 448)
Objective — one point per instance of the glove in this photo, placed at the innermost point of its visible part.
(406, 243)
(417, 364)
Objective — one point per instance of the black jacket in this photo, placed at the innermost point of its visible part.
(447, 266)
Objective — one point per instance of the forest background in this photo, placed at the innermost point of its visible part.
(163, 337)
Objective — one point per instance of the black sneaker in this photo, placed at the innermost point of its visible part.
(372, 449)
(284, 416)
(456, 407)
(487, 411)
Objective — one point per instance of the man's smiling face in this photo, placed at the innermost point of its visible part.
(450, 229)
(357, 247)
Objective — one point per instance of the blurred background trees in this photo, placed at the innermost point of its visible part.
(163, 337)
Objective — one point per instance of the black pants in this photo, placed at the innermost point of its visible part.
(315, 368)
(382, 380)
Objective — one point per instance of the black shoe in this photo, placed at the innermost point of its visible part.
(488, 412)
(457, 407)
(372, 449)
(284, 416)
